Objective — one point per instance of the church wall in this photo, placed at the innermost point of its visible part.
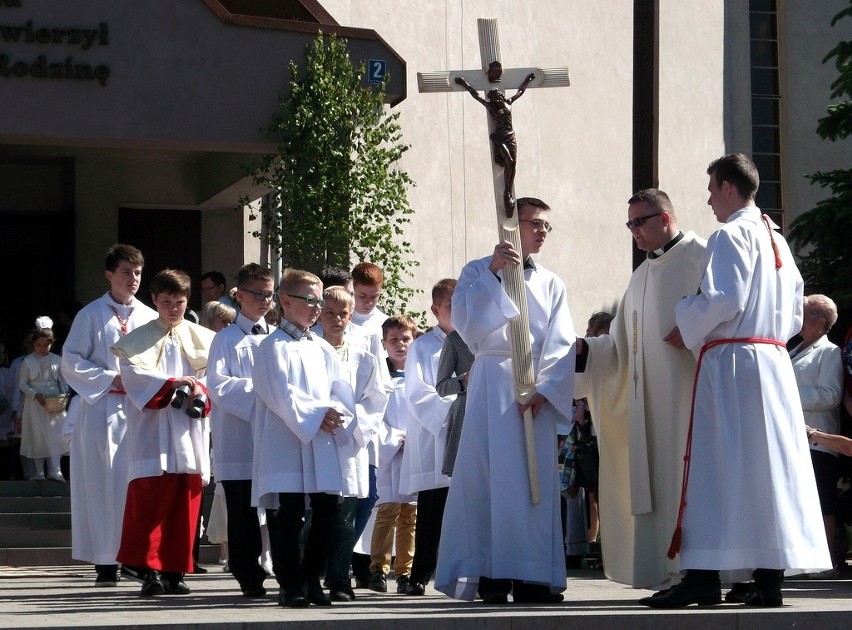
(103, 184)
(805, 89)
(574, 143)
(692, 104)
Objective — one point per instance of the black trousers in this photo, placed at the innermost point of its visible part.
(244, 543)
(292, 571)
(427, 534)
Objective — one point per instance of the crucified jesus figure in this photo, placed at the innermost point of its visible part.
(505, 144)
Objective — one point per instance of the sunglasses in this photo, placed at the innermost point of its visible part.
(639, 221)
(260, 296)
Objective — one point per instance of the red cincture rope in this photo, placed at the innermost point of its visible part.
(772, 240)
(674, 549)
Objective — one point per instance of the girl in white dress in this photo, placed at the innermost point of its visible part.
(43, 388)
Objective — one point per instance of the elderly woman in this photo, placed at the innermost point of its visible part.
(819, 375)
(216, 316)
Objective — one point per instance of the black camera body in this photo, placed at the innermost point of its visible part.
(196, 404)
(195, 409)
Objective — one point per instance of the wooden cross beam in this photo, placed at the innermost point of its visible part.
(495, 80)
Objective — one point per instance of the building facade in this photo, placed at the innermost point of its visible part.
(128, 121)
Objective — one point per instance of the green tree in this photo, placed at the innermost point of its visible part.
(338, 193)
(822, 235)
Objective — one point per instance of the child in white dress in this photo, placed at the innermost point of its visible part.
(44, 389)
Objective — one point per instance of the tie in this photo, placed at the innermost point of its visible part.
(257, 329)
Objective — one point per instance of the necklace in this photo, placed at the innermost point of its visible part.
(122, 321)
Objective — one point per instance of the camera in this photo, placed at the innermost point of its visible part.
(181, 395)
(196, 406)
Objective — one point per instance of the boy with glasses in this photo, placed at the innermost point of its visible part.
(232, 357)
(303, 416)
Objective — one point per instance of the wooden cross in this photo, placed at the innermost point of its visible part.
(494, 80)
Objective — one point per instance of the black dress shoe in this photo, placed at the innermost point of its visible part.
(763, 600)
(153, 585)
(294, 599)
(174, 584)
(416, 588)
(254, 592)
(524, 593)
(495, 598)
(739, 592)
(402, 583)
(685, 594)
(317, 596)
(197, 568)
(378, 582)
(342, 595)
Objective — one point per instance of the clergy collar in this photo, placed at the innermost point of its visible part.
(662, 250)
(294, 331)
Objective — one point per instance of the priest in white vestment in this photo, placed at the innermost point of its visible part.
(98, 450)
(638, 380)
(751, 502)
(494, 539)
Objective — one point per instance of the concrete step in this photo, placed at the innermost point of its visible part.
(44, 488)
(26, 538)
(57, 556)
(18, 505)
(36, 556)
(35, 520)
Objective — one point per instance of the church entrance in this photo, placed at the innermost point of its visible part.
(36, 247)
(167, 238)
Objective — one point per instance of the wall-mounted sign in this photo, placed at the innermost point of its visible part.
(376, 70)
(44, 66)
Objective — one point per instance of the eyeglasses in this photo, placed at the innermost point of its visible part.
(260, 296)
(640, 221)
(538, 225)
(310, 300)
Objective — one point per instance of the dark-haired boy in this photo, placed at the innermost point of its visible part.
(424, 452)
(98, 448)
(169, 447)
(396, 509)
(232, 356)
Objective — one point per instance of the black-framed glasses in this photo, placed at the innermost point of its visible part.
(538, 225)
(639, 221)
(311, 300)
(260, 296)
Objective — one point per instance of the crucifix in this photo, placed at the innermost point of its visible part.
(494, 80)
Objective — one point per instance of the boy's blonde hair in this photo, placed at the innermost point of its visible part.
(340, 296)
(293, 279)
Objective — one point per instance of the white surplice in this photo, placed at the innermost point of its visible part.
(639, 390)
(98, 452)
(296, 382)
(164, 439)
(392, 432)
(370, 384)
(751, 500)
(229, 379)
(490, 527)
(425, 441)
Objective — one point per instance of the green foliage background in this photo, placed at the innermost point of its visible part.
(341, 195)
